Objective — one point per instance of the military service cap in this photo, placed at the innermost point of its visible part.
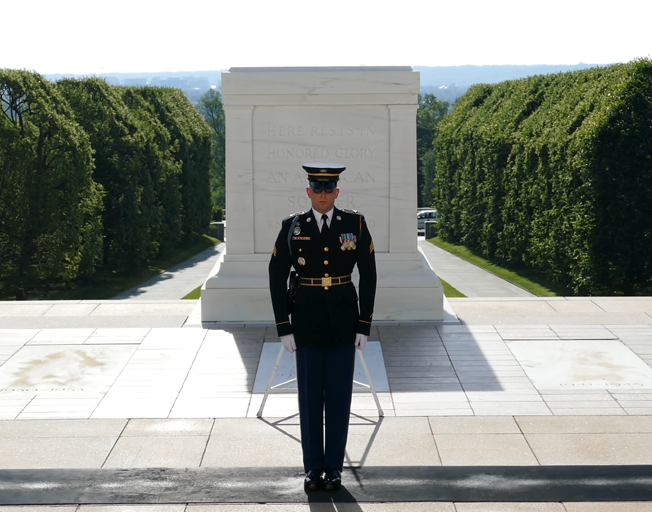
(323, 175)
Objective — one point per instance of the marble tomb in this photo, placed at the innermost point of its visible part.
(280, 118)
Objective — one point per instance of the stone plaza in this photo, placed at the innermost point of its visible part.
(91, 391)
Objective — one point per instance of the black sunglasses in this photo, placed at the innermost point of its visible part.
(320, 190)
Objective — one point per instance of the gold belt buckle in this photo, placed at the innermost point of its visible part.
(326, 282)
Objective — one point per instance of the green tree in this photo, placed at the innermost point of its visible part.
(132, 216)
(160, 163)
(211, 108)
(428, 173)
(190, 139)
(50, 224)
(554, 172)
(430, 112)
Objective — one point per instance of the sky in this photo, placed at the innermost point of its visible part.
(125, 36)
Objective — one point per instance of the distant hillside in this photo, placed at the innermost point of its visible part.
(469, 75)
(213, 76)
(450, 82)
(193, 83)
(446, 82)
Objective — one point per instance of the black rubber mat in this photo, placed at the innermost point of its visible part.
(285, 485)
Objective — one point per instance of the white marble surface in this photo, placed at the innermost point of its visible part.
(372, 353)
(279, 119)
(322, 81)
(436, 371)
(408, 289)
(42, 368)
(285, 138)
(580, 365)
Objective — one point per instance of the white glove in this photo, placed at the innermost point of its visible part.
(360, 341)
(288, 343)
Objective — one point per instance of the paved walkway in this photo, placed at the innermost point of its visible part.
(526, 383)
(470, 280)
(573, 391)
(178, 281)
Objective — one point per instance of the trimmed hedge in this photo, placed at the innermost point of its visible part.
(190, 144)
(130, 216)
(555, 172)
(50, 226)
(93, 175)
(152, 155)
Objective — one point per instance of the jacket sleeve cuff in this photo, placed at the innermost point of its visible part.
(284, 328)
(364, 327)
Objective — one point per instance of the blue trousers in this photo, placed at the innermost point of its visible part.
(325, 384)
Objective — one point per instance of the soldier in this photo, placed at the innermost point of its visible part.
(323, 245)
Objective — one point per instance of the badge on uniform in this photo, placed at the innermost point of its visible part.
(297, 231)
(348, 241)
(301, 261)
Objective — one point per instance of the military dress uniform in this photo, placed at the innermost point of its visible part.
(325, 320)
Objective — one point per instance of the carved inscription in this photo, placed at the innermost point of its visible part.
(303, 153)
(294, 133)
(318, 131)
(282, 146)
(300, 177)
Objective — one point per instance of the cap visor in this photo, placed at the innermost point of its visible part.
(323, 184)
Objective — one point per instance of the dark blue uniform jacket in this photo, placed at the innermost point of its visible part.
(324, 317)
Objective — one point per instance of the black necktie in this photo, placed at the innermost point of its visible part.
(324, 226)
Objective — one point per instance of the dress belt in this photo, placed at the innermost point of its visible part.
(325, 282)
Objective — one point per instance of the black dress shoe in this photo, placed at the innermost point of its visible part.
(332, 480)
(313, 480)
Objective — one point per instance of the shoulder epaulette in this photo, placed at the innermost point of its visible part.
(295, 214)
(355, 212)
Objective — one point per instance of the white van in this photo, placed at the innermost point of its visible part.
(422, 217)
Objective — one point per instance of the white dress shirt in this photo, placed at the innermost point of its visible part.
(318, 218)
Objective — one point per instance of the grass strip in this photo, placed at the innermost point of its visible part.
(449, 291)
(193, 295)
(534, 282)
(108, 284)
